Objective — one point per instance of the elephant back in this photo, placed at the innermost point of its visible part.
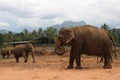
(25, 47)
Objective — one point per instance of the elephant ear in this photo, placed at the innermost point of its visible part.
(28, 47)
(25, 47)
(69, 35)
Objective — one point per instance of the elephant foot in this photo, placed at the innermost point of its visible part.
(78, 67)
(101, 61)
(25, 61)
(107, 67)
(17, 61)
(70, 67)
(33, 61)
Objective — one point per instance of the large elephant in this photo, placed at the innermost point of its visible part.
(23, 50)
(88, 40)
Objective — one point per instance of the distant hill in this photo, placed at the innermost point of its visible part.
(5, 31)
(69, 24)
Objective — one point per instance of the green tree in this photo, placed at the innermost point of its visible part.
(10, 36)
(25, 35)
(33, 35)
(1, 39)
(51, 33)
(18, 37)
(115, 35)
(105, 26)
(40, 32)
(113, 32)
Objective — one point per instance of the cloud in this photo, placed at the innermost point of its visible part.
(3, 24)
(42, 13)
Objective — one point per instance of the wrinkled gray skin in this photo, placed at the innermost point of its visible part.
(23, 50)
(85, 40)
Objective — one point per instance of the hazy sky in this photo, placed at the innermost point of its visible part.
(15, 15)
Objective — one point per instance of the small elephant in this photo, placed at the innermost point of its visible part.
(113, 51)
(102, 59)
(88, 40)
(23, 50)
(6, 52)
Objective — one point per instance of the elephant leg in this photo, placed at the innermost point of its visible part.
(17, 59)
(25, 57)
(107, 62)
(8, 56)
(111, 59)
(3, 56)
(101, 60)
(77, 53)
(33, 56)
(78, 62)
(71, 60)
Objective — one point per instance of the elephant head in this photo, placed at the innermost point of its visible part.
(65, 37)
(29, 48)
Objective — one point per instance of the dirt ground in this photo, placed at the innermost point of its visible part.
(54, 67)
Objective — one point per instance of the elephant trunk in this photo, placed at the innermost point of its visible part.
(57, 44)
(59, 49)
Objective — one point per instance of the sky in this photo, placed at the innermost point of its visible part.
(15, 15)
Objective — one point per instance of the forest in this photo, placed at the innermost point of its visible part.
(45, 37)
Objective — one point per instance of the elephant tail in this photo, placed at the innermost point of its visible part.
(114, 44)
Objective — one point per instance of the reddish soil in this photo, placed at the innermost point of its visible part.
(53, 67)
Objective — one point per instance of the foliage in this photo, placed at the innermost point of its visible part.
(116, 36)
(1, 39)
(39, 37)
(105, 26)
(47, 36)
(113, 32)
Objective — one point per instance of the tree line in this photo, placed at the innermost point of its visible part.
(39, 36)
(46, 36)
(113, 32)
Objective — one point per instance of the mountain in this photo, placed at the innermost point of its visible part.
(5, 31)
(69, 24)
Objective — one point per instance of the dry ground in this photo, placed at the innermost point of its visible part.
(53, 67)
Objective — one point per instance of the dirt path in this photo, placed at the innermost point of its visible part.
(54, 68)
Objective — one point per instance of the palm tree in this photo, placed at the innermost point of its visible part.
(25, 34)
(34, 35)
(51, 33)
(40, 32)
(8, 37)
(105, 26)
